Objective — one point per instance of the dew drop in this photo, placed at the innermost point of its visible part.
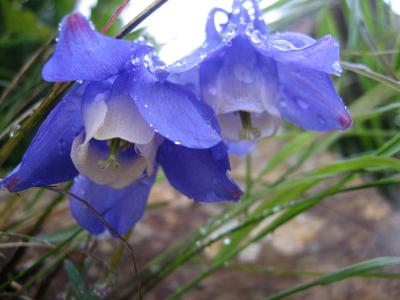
(228, 43)
(236, 9)
(336, 66)
(212, 89)
(249, 29)
(146, 106)
(135, 60)
(243, 73)
(282, 45)
(227, 241)
(177, 143)
(283, 104)
(256, 36)
(275, 209)
(13, 129)
(231, 29)
(79, 81)
(62, 146)
(303, 105)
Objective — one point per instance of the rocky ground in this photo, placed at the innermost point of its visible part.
(342, 230)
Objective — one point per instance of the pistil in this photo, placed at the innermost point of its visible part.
(248, 132)
(112, 159)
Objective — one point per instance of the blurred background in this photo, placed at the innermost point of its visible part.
(320, 216)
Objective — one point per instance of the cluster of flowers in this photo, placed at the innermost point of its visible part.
(130, 114)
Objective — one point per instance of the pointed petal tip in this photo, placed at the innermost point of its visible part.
(345, 121)
(82, 53)
(10, 184)
(236, 193)
(76, 21)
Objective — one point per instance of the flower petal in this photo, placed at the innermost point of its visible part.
(241, 148)
(308, 99)
(231, 125)
(149, 152)
(121, 208)
(47, 159)
(241, 80)
(85, 54)
(198, 174)
(94, 107)
(174, 112)
(123, 119)
(87, 158)
(322, 55)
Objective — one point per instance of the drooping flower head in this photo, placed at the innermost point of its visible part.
(252, 78)
(113, 130)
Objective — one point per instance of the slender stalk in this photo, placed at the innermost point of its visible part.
(115, 16)
(140, 18)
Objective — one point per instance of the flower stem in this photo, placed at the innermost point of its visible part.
(140, 18)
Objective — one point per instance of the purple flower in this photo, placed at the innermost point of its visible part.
(252, 79)
(112, 131)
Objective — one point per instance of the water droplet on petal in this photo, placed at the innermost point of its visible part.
(231, 29)
(283, 104)
(177, 143)
(146, 106)
(243, 73)
(337, 67)
(249, 29)
(321, 120)
(135, 60)
(203, 55)
(302, 104)
(256, 36)
(282, 45)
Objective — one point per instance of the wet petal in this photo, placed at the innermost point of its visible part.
(241, 148)
(174, 112)
(87, 155)
(47, 159)
(199, 174)
(123, 119)
(322, 55)
(121, 208)
(241, 80)
(308, 99)
(231, 126)
(85, 54)
(94, 107)
(149, 152)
